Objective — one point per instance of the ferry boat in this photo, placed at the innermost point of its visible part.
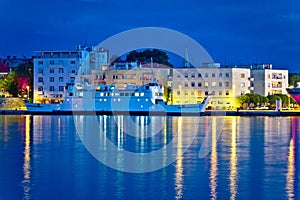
(295, 93)
(108, 99)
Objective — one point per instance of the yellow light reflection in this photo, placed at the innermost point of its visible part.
(179, 169)
(233, 162)
(290, 176)
(214, 161)
(26, 165)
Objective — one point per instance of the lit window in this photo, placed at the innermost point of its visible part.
(213, 84)
(206, 84)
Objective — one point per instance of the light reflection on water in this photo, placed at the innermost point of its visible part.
(254, 156)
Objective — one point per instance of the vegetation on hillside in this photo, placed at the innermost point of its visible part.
(157, 56)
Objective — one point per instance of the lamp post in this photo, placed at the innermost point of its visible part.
(27, 87)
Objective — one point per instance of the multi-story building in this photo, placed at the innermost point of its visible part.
(192, 85)
(133, 73)
(269, 81)
(53, 69)
(265, 80)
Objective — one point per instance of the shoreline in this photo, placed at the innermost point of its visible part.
(206, 113)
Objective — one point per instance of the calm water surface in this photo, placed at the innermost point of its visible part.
(42, 157)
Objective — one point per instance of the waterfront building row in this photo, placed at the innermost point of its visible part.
(53, 69)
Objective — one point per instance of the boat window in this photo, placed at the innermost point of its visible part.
(158, 94)
(136, 94)
(101, 94)
(142, 94)
(111, 94)
(126, 94)
(121, 94)
(117, 94)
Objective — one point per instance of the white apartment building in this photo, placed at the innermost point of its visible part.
(53, 69)
(269, 81)
(192, 85)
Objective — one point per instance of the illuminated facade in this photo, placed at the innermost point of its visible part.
(191, 85)
(265, 80)
(131, 74)
(53, 69)
(270, 81)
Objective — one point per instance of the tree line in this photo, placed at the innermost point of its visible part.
(256, 99)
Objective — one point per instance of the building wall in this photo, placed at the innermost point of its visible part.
(222, 84)
(270, 81)
(138, 76)
(53, 69)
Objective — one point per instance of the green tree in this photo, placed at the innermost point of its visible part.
(10, 84)
(243, 99)
(157, 56)
(294, 78)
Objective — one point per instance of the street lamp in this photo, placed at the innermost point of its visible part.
(27, 87)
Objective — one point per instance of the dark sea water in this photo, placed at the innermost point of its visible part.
(43, 157)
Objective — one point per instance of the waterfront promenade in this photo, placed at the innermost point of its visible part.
(207, 113)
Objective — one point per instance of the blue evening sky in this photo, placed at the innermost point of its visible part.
(232, 31)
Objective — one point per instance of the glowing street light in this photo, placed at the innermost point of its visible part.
(27, 87)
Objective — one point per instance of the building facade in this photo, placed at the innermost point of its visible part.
(192, 85)
(270, 81)
(53, 69)
(265, 80)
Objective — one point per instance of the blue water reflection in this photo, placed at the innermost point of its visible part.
(42, 157)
